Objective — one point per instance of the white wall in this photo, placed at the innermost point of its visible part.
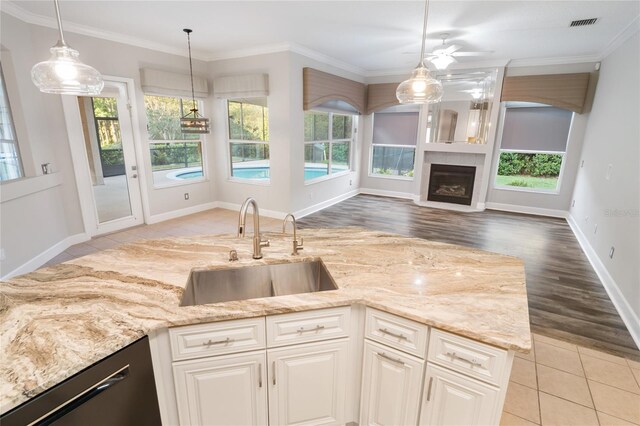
(538, 201)
(612, 138)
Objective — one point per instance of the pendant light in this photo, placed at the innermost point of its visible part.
(63, 73)
(421, 87)
(192, 122)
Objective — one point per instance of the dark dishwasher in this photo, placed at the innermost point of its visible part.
(119, 390)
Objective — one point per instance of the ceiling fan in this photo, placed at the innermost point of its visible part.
(445, 55)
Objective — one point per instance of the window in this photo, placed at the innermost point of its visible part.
(175, 157)
(10, 164)
(327, 143)
(393, 147)
(249, 138)
(534, 141)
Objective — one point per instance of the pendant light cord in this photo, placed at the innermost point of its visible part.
(61, 41)
(424, 32)
(193, 95)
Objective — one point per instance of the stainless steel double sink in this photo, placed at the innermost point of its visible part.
(251, 282)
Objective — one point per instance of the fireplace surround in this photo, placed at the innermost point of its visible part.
(451, 184)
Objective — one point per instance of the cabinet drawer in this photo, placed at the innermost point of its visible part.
(196, 341)
(472, 358)
(310, 326)
(399, 333)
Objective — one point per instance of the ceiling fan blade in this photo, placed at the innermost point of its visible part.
(453, 48)
(488, 52)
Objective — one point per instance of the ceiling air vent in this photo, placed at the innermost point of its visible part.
(583, 22)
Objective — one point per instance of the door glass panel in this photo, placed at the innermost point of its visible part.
(105, 157)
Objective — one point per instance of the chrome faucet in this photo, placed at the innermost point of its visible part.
(258, 242)
(296, 245)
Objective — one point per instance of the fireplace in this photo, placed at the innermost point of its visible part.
(451, 184)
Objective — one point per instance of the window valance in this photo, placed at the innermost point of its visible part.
(567, 91)
(381, 96)
(320, 87)
(241, 86)
(172, 84)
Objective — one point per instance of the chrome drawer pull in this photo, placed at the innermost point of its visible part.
(429, 392)
(218, 342)
(472, 361)
(316, 329)
(260, 375)
(273, 364)
(390, 333)
(385, 356)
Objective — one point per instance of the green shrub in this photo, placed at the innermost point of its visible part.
(519, 182)
(543, 165)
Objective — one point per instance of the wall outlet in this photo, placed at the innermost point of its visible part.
(2, 255)
(609, 170)
(350, 182)
(573, 203)
(613, 249)
(586, 219)
(186, 195)
(595, 229)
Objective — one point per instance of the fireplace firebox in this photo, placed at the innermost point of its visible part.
(451, 184)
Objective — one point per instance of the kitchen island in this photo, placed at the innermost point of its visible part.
(57, 321)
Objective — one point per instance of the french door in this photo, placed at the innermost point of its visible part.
(104, 155)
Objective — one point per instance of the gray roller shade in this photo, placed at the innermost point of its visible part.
(396, 128)
(536, 129)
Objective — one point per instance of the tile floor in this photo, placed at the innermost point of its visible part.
(557, 383)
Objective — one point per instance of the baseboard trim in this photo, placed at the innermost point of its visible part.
(621, 304)
(263, 212)
(161, 217)
(384, 193)
(527, 210)
(324, 204)
(48, 254)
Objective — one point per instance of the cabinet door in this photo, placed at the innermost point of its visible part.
(453, 399)
(224, 390)
(391, 385)
(307, 383)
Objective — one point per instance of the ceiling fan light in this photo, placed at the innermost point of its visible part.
(64, 74)
(441, 62)
(420, 88)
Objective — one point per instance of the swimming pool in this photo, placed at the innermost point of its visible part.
(257, 173)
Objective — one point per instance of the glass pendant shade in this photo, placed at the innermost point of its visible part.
(64, 74)
(420, 88)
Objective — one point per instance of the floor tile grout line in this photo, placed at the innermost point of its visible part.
(593, 401)
(523, 418)
(604, 383)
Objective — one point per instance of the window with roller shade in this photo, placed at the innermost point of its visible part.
(393, 147)
(327, 143)
(532, 149)
(249, 138)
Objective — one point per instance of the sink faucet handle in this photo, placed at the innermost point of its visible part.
(265, 243)
(233, 256)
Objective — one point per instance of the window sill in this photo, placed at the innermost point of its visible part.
(327, 177)
(186, 182)
(393, 177)
(261, 182)
(22, 187)
(531, 190)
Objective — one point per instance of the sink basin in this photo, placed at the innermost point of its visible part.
(250, 282)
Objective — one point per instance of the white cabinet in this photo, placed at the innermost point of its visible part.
(223, 390)
(307, 383)
(453, 399)
(391, 384)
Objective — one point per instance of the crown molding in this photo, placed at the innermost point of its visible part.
(17, 12)
(624, 35)
(560, 60)
(493, 63)
(329, 60)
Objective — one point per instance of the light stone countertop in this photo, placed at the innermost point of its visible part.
(59, 320)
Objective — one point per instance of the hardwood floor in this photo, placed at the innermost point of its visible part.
(566, 299)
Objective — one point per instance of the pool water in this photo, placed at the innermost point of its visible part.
(257, 173)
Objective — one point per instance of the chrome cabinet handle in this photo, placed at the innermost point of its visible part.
(273, 364)
(316, 329)
(218, 342)
(390, 333)
(134, 176)
(259, 375)
(387, 357)
(471, 361)
(429, 391)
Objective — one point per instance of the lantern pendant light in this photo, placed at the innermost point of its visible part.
(192, 122)
(63, 73)
(421, 87)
